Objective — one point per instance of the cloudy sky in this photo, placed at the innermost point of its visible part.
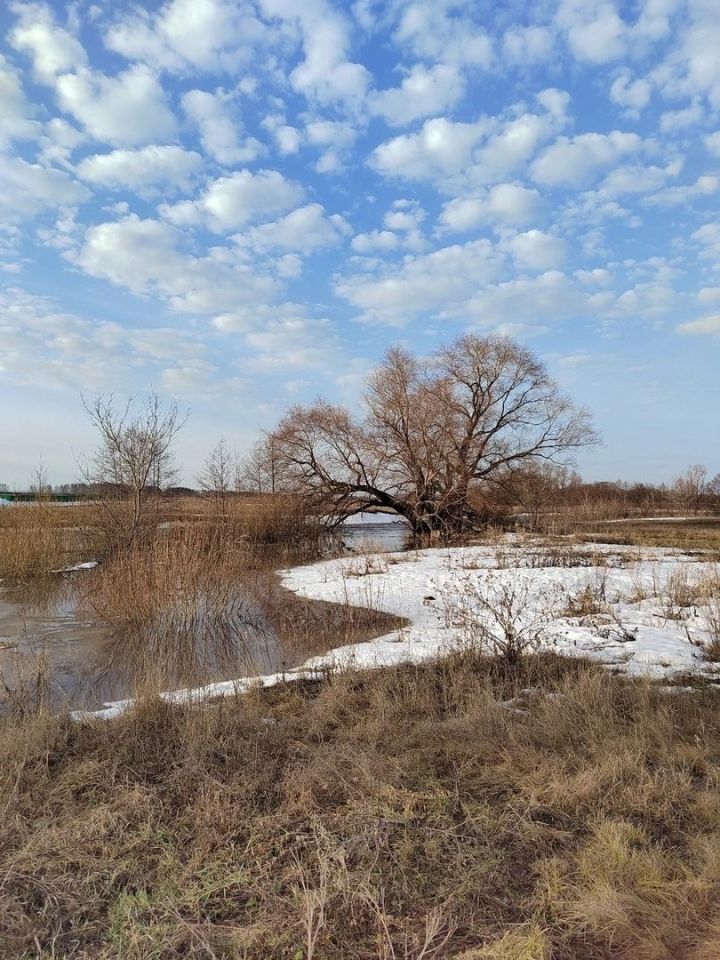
(244, 203)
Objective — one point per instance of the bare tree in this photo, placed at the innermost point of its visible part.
(218, 474)
(691, 486)
(259, 470)
(39, 485)
(135, 446)
(437, 436)
(539, 488)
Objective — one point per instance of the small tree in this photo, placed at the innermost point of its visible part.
(135, 446)
(39, 485)
(218, 474)
(691, 486)
(259, 471)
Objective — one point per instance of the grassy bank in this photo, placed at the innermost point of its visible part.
(431, 811)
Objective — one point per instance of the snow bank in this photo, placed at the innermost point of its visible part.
(633, 633)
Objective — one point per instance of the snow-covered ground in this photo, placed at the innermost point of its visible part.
(632, 628)
(627, 621)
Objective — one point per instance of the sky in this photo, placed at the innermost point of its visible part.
(244, 203)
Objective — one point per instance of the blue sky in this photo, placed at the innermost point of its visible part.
(244, 204)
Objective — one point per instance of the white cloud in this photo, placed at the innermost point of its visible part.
(28, 188)
(536, 250)
(595, 32)
(287, 139)
(130, 109)
(709, 295)
(46, 346)
(53, 49)
(325, 75)
(575, 161)
(375, 240)
(436, 30)
(334, 138)
(637, 178)
(214, 35)
(457, 154)
(547, 298)
(692, 68)
(219, 131)
(16, 113)
(526, 45)
(702, 188)
(632, 94)
(231, 202)
(706, 325)
(674, 120)
(708, 236)
(294, 342)
(712, 143)
(170, 166)
(422, 93)
(404, 215)
(441, 148)
(306, 229)
(427, 282)
(146, 258)
(507, 204)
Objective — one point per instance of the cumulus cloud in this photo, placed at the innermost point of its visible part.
(129, 109)
(212, 35)
(220, 133)
(507, 204)
(422, 93)
(169, 166)
(594, 30)
(439, 31)
(454, 154)
(536, 250)
(306, 229)
(53, 49)
(704, 326)
(712, 143)
(27, 189)
(333, 138)
(325, 75)
(146, 257)
(634, 95)
(427, 282)
(231, 202)
(16, 113)
(576, 161)
(527, 45)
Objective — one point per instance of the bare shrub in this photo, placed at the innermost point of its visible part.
(592, 599)
(499, 616)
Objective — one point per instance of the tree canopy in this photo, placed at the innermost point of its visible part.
(435, 435)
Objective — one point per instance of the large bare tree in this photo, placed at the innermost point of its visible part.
(135, 446)
(436, 435)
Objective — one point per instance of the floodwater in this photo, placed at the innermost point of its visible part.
(86, 663)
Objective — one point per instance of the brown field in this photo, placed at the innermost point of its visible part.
(405, 813)
(459, 809)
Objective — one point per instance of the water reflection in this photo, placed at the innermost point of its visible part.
(208, 630)
(48, 628)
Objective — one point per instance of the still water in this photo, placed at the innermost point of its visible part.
(87, 664)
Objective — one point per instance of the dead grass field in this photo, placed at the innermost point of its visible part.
(429, 811)
(701, 533)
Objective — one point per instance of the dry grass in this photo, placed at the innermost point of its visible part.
(698, 534)
(31, 543)
(402, 814)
